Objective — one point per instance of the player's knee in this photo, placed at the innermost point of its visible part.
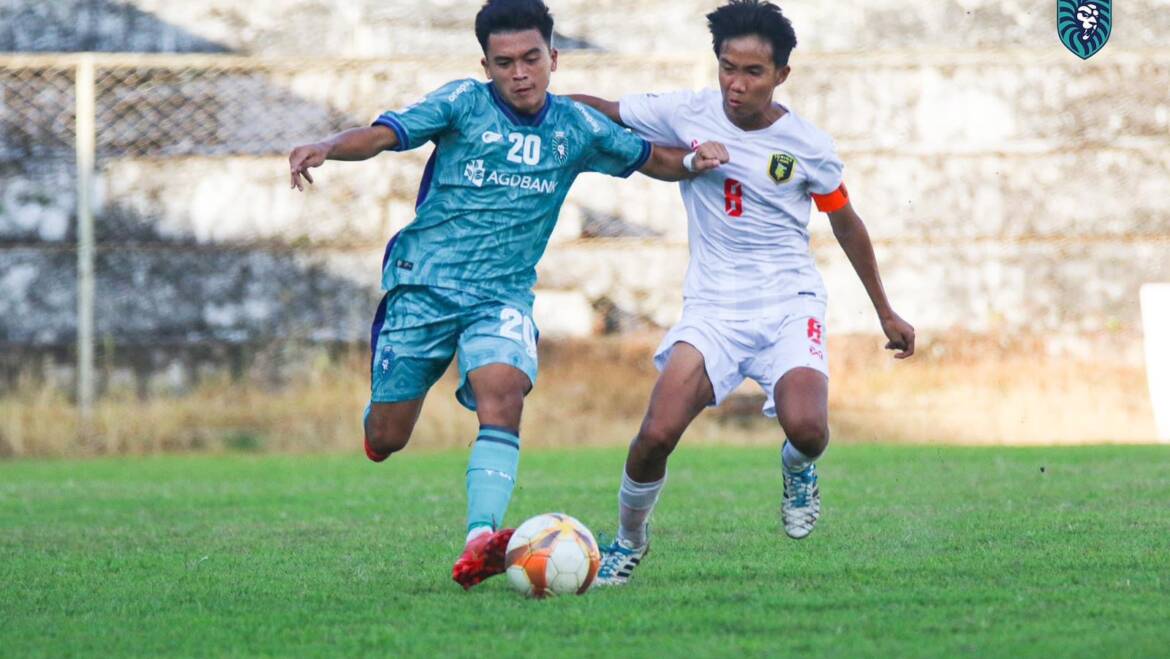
(657, 440)
(386, 439)
(810, 435)
(502, 408)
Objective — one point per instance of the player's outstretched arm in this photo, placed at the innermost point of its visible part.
(352, 144)
(853, 237)
(670, 164)
(610, 109)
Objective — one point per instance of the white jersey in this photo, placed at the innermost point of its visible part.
(748, 219)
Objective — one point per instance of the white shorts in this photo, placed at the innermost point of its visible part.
(760, 349)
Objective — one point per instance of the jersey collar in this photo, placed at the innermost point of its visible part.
(516, 117)
(772, 126)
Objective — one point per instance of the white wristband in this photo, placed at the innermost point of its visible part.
(689, 161)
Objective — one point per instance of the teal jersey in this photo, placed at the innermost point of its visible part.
(494, 185)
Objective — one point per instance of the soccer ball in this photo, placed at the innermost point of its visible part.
(552, 554)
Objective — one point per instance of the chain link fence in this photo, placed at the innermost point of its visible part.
(201, 255)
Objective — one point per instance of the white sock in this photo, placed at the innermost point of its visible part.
(635, 503)
(476, 532)
(794, 460)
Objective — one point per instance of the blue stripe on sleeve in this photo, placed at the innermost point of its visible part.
(642, 158)
(392, 122)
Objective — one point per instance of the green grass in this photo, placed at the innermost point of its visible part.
(922, 551)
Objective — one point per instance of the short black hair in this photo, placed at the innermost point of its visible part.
(513, 16)
(740, 18)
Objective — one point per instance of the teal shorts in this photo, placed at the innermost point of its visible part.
(417, 330)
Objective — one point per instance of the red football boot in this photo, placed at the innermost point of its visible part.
(374, 455)
(481, 558)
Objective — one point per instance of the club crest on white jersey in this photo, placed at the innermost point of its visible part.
(781, 167)
(748, 219)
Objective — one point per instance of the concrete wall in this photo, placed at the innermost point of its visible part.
(1009, 186)
(377, 28)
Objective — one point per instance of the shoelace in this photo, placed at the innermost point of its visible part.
(802, 483)
(612, 558)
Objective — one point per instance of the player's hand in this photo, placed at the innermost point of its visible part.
(304, 157)
(900, 334)
(710, 155)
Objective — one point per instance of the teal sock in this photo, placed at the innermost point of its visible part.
(491, 475)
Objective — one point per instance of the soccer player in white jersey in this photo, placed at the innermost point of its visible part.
(754, 303)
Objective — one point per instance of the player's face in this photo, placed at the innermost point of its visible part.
(520, 64)
(748, 76)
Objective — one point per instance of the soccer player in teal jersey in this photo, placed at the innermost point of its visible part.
(459, 278)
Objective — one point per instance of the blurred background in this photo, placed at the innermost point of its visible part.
(1018, 197)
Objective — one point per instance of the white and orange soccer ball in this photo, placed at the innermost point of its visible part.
(552, 554)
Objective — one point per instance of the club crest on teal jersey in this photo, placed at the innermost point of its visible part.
(1084, 25)
(560, 146)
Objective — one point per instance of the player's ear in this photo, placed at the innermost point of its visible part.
(552, 53)
(782, 74)
(483, 63)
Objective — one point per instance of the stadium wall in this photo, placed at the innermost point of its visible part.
(987, 212)
(380, 28)
(1017, 196)
(1010, 187)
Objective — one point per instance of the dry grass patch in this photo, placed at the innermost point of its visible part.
(964, 390)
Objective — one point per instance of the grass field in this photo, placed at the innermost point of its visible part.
(922, 551)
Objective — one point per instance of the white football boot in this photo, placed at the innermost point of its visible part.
(801, 505)
(618, 561)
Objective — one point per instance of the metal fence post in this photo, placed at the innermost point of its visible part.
(86, 139)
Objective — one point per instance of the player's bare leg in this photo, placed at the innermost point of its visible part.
(802, 407)
(491, 474)
(499, 394)
(681, 393)
(388, 427)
